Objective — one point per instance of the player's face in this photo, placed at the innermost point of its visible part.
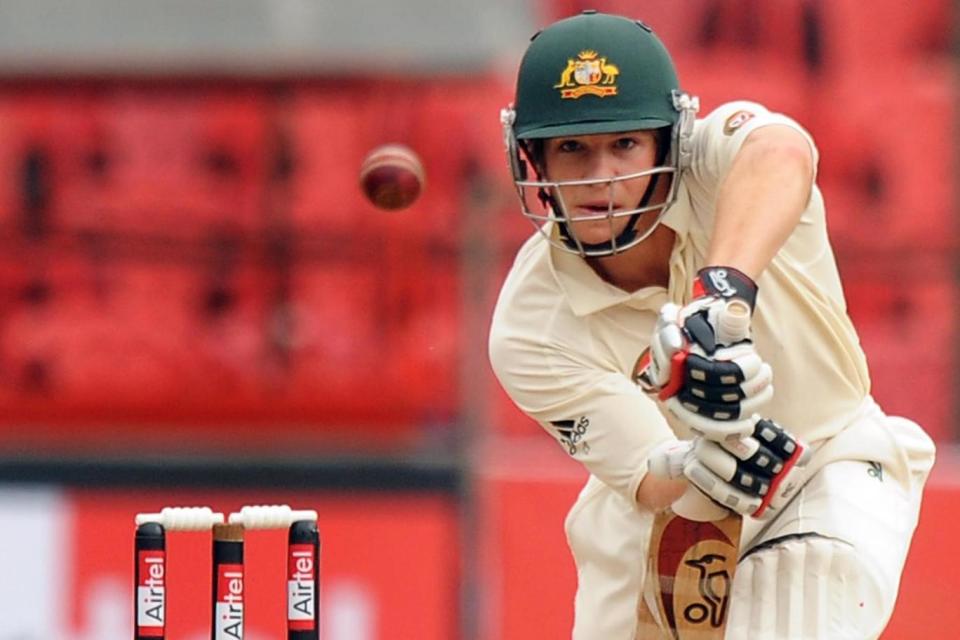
(600, 157)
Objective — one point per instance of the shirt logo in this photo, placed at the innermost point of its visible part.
(572, 434)
(589, 74)
(736, 121)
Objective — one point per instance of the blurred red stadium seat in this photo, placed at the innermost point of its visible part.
(49, 140)
(776, 32)
(336, 320)
(679, 24)
(849, 213)
(879, 38)
(174, 161)
(83, 347)
(423, 308)
(440, 136)
(99, 345)
(375, 342)
(908, 330)
(329, 130)
(729, 73)
(890, 149)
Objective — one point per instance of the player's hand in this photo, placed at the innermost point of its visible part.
(709, 375)
(756, 475)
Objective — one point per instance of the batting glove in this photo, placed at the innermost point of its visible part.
(712, 379)
(756, 475)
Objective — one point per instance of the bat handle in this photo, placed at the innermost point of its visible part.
(733, 322)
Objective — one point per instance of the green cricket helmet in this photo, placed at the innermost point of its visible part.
(589, 74)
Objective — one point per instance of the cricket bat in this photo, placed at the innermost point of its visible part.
(693, 551)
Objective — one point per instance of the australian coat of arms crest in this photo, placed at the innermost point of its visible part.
(589, 74)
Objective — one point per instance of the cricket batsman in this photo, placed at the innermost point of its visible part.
(650, 221)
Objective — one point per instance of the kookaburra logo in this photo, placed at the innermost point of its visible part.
(714, 590)
(718, 278)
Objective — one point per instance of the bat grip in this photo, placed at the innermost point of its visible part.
(733, 322)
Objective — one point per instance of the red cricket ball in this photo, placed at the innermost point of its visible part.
(392, 176)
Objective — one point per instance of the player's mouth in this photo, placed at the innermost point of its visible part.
(598, 208)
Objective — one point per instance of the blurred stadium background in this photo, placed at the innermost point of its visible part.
(199, 307)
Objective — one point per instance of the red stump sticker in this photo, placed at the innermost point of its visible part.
(229, 607)
(301, 587)
(151, 605)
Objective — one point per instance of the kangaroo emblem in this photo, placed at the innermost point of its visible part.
(566, 78)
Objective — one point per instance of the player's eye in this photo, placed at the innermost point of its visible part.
(626, 143)
(569, 146)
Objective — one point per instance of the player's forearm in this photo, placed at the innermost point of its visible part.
(761, 199)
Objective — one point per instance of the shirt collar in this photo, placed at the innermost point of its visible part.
(588, 293)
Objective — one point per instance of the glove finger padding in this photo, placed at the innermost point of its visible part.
(731, 375)
(727, 366)
(751, 475)
(711, 379)
(788, 480)
(757, 385)
(719, 421)
(717, 489)
(754, 475)
(723, 409)
(711, 428)
(716, 390)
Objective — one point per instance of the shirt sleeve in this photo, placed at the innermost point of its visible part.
(595, 413)
(721, 133)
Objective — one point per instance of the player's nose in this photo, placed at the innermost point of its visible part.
(602, 165)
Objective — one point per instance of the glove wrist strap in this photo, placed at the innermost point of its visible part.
(725, 282)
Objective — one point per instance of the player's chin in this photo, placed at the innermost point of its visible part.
(596, 231)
